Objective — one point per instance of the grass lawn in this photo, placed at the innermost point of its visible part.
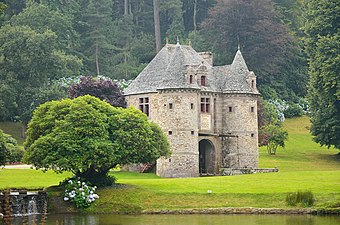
(303, 165)
(13, 129)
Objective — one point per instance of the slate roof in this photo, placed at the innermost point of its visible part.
(168, 70)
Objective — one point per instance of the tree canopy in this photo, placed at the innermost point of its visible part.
(28, 61)
(101, 88)
(88, 137)
(322, 41)
(267, 45)
(7, 147)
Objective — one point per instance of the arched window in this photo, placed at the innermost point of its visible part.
(190, 79)
(203, 80)
(252, 84)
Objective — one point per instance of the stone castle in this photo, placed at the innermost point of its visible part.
(209, 113)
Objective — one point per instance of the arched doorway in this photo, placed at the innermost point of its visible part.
(206, 157)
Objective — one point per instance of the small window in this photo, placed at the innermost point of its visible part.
(203, 80)
(144, 105)
(252, 84)
(230, 109)
(192, 105)
(205, 105)
(169, 159)
(192, 132)
(170, 132)
(191, 79)
(252, 109)
(252, 135)
(170, 106)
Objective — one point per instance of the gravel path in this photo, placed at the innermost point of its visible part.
(19, 166)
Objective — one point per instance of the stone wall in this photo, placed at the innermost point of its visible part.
(230, 126)
(176, 112)
(239, 131)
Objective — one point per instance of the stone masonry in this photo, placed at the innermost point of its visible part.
(209, 113)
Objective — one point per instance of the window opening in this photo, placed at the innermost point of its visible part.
(191, 79)
(230, 109)
(203, 80)
(144, 105)
(205, 105)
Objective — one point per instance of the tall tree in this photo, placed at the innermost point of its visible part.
(96, 42)
(172, 19)
(126, 7)
(266, 43)
(29, 60)
(157, 25)
(41, 18)
(322, 41)
(194, 12)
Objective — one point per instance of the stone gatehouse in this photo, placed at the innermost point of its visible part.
(209, 113)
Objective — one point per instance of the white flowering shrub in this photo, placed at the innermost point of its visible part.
(79, 192)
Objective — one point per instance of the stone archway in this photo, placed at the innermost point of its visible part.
(206, 157)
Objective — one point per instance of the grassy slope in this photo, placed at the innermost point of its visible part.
(13, 129)
(303, 165)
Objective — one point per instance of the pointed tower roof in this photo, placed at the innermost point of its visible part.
(233, 78)
(167, 70)
(239, 64)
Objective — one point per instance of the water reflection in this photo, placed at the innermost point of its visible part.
(72, 219)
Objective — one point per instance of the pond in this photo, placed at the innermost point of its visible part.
(109, 219)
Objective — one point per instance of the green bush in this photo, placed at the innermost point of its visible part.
(293, 110)
(15, 154)
(303, 198)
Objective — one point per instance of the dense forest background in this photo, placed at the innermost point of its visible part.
(46, 43)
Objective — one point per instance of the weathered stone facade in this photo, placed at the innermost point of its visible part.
(208, 113)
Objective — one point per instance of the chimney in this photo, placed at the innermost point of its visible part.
(207, 56)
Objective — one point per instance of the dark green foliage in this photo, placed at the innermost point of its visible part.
(88, 137)
(266, 43)
(8, 149)
(271, 132)
(293, 110)
(323, 49)
(28, 61)
(103, 89)
(40, 18)
(303, 198)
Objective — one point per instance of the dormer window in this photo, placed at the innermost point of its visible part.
(191, 79)
(203, 80)
(252, 84)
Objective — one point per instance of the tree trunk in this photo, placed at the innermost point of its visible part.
(97, 60)
(99, 178)
(195, 13)
(23, 130)
(126, 7)
(157, 25)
